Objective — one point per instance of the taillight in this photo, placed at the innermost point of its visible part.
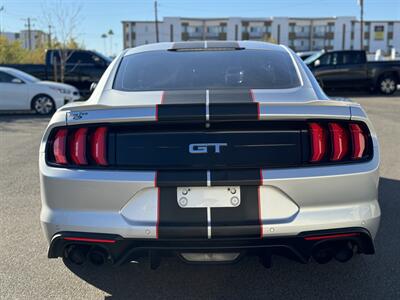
(59, 147)
(318, 142)
(98, 146)
(345, 142)
(339, 140)
(357, 140)
(80, 147)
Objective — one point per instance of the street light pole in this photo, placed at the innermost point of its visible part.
(156, 21)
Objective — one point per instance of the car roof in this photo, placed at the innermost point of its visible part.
(202, 45)
(6, 69)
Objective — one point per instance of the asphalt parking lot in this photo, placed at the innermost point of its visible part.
(26, 273)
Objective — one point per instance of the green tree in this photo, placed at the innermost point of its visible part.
(11, 52)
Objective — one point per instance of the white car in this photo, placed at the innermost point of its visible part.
(21, 91)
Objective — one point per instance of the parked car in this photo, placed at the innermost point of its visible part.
(21, 91)
(83, 67)
(350, 69)
(211, 151)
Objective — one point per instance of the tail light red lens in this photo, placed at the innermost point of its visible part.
(318, 142)
(345, 142)
(98, 146)
(357, 140)
(80, 147)
(340, 141)
(59, 147)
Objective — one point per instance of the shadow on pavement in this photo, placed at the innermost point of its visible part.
(248, 279)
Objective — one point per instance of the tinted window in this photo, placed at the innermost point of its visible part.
(328, 59)
(83, 58)
(6, 78)
(177, 70)
(347, 58)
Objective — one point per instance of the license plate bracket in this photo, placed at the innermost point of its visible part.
(215, 196)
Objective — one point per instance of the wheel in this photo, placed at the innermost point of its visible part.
(387, 85)
(43, 105)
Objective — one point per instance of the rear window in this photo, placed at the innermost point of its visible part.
(188, 70)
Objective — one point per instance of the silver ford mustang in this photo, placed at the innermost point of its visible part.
(209, 151)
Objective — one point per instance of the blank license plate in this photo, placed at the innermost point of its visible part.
(192, 197)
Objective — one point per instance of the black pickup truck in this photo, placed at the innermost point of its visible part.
(82, 68)
(350, 69)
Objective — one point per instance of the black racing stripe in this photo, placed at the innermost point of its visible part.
(184, 97)
(176, 112)
(237, 112)
(181, 178)
(246, 177)
(234, 104)
(182, 105)
(231, 96)
(176, 222)
(238, 222)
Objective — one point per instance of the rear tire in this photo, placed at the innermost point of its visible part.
(43, 105)
(387, 85)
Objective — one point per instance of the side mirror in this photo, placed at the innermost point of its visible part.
(317, 63)
(93, 87)
(17, 81)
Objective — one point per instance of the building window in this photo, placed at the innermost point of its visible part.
(379, 33)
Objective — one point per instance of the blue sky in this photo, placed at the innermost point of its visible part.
(98, 16)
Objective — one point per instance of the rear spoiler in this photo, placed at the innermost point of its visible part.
(267, 111)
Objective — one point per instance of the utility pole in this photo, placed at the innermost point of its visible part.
(361, 3)
(156, 21)
(28, 24)
(49, 38)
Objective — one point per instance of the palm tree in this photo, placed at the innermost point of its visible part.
(110, 34)
(104, 36)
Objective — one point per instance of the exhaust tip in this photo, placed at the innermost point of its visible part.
(323, 255)
(345, 253)
(76, 254)
(98, 256)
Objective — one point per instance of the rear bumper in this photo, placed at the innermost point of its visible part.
(300, 247)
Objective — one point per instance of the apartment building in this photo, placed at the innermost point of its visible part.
(35, 39)
(300, 34)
